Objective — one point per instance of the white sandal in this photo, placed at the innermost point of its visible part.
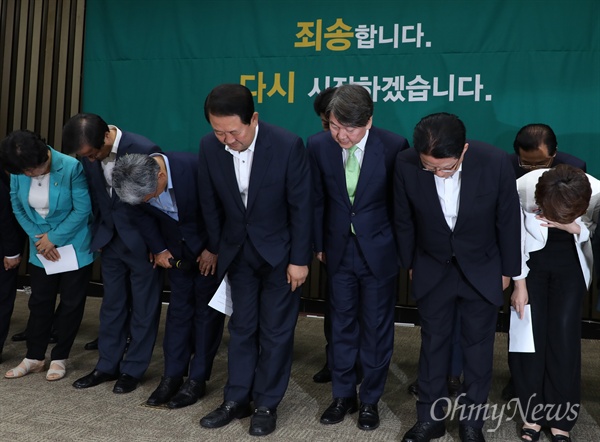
(54, 373)
(25, 367)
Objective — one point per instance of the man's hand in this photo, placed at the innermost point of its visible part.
(162, 259)
(11, 263)
(207, 263)
(321, 257)
(296, 275)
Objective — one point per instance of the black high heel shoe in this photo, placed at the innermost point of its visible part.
(561, 438)
(533, 435)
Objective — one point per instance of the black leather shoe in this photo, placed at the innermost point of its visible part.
(125, 384)
(425, 431)
(339, 408)
(470, 434)
(188, 394)
(508, 392)
(368, 417)
(94, 378)
(263, 422)
(18, 337)
(92, 345)
(413, 388)
(165, 391)
(322, 376)
(225, 413)
(454, 385)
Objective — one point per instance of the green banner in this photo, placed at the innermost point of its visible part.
(498, 64)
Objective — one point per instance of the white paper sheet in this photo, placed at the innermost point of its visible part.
(66, 263)
(521, 332)
(221, 300)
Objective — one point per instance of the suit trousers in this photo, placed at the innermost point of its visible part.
(121, 269)
(8, 292)
(478, 317)
(261, 329)
(549, 380)
(362, 325)
(72, 287)
(192, 327)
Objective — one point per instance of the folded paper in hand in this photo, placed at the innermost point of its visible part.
(66, 263)
(521, 332)
(221, 300)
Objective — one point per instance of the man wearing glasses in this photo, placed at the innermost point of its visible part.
(536, 148)
(457, 222)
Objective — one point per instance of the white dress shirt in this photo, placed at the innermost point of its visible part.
(242, 163)
(448, 190)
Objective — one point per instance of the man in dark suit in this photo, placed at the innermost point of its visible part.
(12, 240)
(132, 286)
(354, 237)
(255, 192)
(536, 147)
(458, 227)
(164, 189)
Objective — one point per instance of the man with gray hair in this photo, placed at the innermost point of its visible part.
(164, 189)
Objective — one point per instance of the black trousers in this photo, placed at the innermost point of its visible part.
(44, 290)
(261, 329)
(547, 382)
(8, 291)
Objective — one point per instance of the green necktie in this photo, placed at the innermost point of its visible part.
(352, 172)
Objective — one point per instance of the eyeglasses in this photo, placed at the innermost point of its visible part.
(442, 170)
(527, 166)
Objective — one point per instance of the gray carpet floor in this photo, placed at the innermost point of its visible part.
(33, 409)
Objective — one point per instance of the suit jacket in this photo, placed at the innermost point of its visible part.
(560, 158)
(534, 235)
(278, 215)
(110, 213)
(12, 237)
(485, 240)
(70, 211)
(163, 232)
(371, 214)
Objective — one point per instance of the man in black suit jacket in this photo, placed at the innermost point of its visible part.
(255, 192)
(536, 147)
(164, 189)
(458, 226)
(354, 237)
(12, 240)
(132, 286)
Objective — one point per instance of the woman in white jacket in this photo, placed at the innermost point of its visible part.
(559, 210)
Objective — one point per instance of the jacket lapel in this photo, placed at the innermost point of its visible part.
(371, 156)
(260, 166)
(56, 182)
(426, 182)
(336, 162)
(469, 185)
(228, 172)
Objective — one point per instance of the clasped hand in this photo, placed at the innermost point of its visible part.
(46, 248)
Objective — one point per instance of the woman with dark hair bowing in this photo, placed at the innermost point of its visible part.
(50, 199)
(560, 209)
